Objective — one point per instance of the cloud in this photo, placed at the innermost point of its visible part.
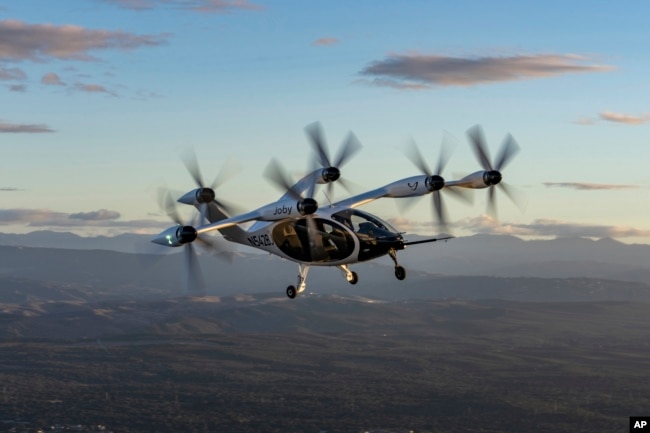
(102, 218)
(627, 119)
(416, 71)
(325, 42)
(12, 74)
(28, 128)
(583, 186)
(21, 41)
(9, 189)
(29, 216)
(52, 79)
(204, 6)
(99, 215)
(409, 225)
(133, 4)
(94, 88)
(549, 227)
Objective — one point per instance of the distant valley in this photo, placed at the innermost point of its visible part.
(507, 334)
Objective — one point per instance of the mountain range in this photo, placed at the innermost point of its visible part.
(489, 255)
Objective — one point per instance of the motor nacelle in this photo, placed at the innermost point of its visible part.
(176, 236)
(330, 174)
(480, 179)
(287, 209)
(307, 206)
(435, 183)
(198, 195)
(413, 186)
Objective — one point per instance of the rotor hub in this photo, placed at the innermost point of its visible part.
(331, 174)
(186, 234)
(307, 206)
(205, 195)
(435, 183)
(492, 177)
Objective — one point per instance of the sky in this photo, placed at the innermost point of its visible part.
(100, 98)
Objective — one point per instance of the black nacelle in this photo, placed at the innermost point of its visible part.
(186, 234)
(435, 183)
(331, 174)
(492, 177)
(307, 206)
(205, 195)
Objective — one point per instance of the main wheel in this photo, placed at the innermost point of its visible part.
(353, 278)
(291, 292)
(400, 272)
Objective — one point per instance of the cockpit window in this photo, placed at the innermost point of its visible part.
(361, 222)
(329, 242)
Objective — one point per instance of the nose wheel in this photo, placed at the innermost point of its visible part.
(400, 272)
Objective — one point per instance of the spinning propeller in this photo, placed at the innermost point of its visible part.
(492, 176)
(188, 235)
(434, 181)
(306, 206)
(331, 169)
(205, 194)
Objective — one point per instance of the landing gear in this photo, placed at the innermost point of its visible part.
(400, 272)
(292, 291)
(350, 276)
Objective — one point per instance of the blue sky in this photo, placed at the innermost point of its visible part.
(99, 97)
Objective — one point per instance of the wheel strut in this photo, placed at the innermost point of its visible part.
(400, 272)
(350, 276)
(303, 270)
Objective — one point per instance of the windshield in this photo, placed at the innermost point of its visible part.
(361, 222)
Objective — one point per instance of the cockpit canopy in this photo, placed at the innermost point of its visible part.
(376, 237)
(364, 223)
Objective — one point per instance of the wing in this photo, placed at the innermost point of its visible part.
(363, 198)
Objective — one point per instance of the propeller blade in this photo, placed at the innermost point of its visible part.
(461, 194)
(445, 154)
(316, 248)
(312, 187)
(440, 210)
(414, 155)
(406, 203)
(278, 175)
(229, 169)
(168, 204)
(509, 149)
(514, 195)
(477, 138)
(315, 134)
(228, 207)
(492, 205)
(348, 149)
(192, 164)
(194, 277)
